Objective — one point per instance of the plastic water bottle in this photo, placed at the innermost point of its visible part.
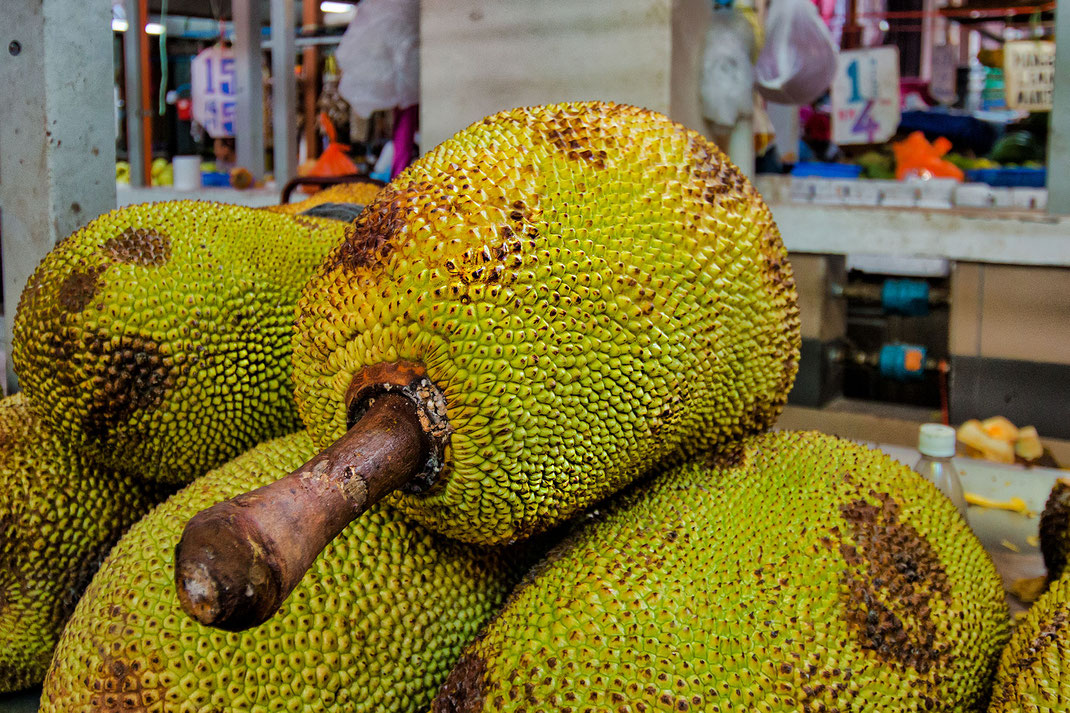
(936, 443)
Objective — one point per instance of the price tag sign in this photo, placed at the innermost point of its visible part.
(1029, 74)
(212, 88)
(865, 96)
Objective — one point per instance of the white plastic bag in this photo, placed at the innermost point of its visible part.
(379, 56)
(727, 83)
(798, 61)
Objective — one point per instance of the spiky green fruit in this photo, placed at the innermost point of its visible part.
(799, 573)
(59, 516)
(375, 625)
(1034, 670)
(593, 288)
(157, 338)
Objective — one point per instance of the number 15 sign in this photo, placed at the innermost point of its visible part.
(212, 86)
(865, 96)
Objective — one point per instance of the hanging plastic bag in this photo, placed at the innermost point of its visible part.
(379, 56)
(727, 73)
(798, 61)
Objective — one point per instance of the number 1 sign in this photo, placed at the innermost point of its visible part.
(865, 96)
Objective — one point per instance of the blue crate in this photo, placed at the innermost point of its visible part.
(1009, 177)
(813, 169)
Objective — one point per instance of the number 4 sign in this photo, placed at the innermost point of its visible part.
(865, 96)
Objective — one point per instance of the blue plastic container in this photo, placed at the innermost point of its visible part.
(807, 169)
(902, 362)
(906, 297)
(215, 179)
(1010, 177)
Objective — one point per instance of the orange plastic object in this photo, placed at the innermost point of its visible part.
(333, 161)
(913, 359)
(915, 157)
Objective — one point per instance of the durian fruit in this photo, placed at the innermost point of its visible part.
(343, 201)
(157, 339)
(59, 516)
(566, 295)
(798, 573)
(375, 625)
(1034, 670)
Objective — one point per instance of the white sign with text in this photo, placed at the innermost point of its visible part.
(865, 96)
(213, 91)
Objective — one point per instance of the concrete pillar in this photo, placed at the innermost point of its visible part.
(283, 89)
(57, 132)
(249, 119)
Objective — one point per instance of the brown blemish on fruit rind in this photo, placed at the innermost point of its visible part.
(892, 574)
(77, 290)
(116, 681)
(131, 377)
(576, 134)
(465, 688)
(373, 235)
(139, 246)
(712, 170)
(1046, 635)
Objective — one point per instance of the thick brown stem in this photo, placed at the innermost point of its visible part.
(238, 560)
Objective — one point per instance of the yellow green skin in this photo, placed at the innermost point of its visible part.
(594, 289)
(1034, 670)
(802, 573)
(375, 625)
(59, 516)
(157, 339)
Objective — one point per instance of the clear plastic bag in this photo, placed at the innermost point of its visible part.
(379, 56)
(798, 61)
(727, 83)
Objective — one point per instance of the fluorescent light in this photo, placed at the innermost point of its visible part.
(331, 6)
(119, 25)
(153, 28)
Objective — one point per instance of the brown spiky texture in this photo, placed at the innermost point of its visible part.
(375, 625)
(351, 195)
(1055, 529)
(1034, 670)
(800, 573)
(594, 288)
(157, 339)
(59, 516)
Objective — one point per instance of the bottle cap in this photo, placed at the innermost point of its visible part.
(936, 440)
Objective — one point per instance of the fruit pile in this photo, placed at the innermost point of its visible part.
(499, 440)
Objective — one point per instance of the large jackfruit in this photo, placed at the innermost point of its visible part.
(1034, 670)
(157, 338)
(343, 201)
(374, 626)
(591, 287)
(59, 516)
(801, 573)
